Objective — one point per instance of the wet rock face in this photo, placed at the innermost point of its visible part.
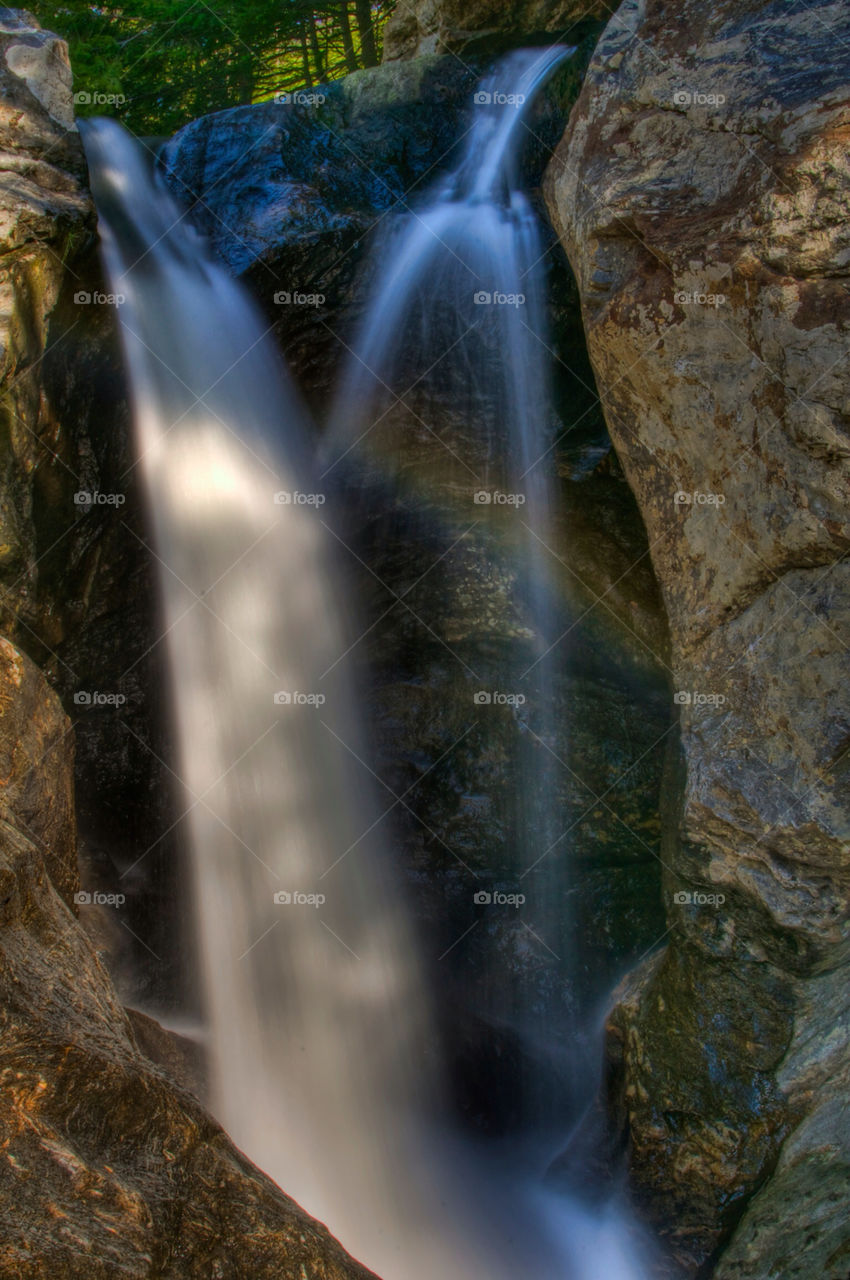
(486, 26)
(37, 766)
(44, 211)
(76, 581)
(699, 192)
(108, 1167)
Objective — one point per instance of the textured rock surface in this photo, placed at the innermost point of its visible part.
(37, 766)
(701, 191)
(44, 210)
(76, 586)
(475, 26)
(107, 1168)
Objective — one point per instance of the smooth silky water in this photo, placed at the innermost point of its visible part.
(322, 1038)
(454, 351)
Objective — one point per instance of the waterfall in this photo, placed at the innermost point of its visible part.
(325, 1070)
(456, 329)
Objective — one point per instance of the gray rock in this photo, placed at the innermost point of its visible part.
(466, 27)
(700, 192)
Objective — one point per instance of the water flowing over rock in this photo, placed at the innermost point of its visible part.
(701, 191)
(318, 209)
(290, 192)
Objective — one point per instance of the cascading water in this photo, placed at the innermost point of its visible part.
(454, 352)
(316, 1011)
(321, 1033)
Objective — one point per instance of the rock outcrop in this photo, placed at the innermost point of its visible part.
(701, 192)
(44, 211)
(76, 581)
(474, 27)
(37, 766)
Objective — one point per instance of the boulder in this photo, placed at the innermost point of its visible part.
(109, 1168)
(700, 191)
(290, 192)
(470, 27)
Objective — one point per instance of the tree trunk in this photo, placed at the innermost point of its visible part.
(305, 59)
(368, 51)
(347, 37)
(318, 61)
(245, 81)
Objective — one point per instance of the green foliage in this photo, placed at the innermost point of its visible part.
(154, 64)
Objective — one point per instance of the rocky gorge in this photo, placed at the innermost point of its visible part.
(691, 169)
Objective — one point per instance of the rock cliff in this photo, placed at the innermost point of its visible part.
(701, 192)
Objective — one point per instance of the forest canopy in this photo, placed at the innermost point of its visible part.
(155, 64)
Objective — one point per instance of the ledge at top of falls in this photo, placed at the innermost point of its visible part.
(291, 193)
(324, 163)
(262, 181)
